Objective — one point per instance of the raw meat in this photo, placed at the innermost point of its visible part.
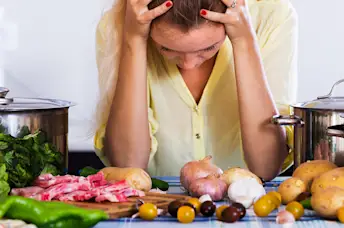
(112, 197)
(26, 192)
(47, 180)
(76, 196)
(75, 188)
(55, 190)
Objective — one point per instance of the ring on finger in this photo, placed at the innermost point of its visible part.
(234, 4)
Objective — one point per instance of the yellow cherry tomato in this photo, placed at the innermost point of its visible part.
(186, 214)
(296, 209)
(340, 214)
(196, 203)
(276, 194)
(263, 207)
(272, 199)
(219, 211)
(148, 211)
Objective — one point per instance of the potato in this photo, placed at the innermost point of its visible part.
(137, 178)
(291, 188)
(236, 173)
(309, 170)
(332, 178)
(326, 202)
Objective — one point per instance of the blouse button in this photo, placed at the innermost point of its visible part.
(198, 136)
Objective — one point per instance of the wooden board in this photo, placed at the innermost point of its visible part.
(127, 209)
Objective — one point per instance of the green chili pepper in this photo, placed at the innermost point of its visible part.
(15, 207)
(88, 170)
(307, 204)
(66, 223)
(160, 184)
(50, 214)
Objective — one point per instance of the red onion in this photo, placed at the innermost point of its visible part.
(211, 185)
(194, 170)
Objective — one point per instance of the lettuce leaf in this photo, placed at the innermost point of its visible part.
(4, 186)
(28, 156)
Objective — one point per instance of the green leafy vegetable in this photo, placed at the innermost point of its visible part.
(88, 170)
(4, 186)
(28, 156)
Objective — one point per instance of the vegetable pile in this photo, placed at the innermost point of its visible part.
(27, 156)
(185, 211)
(315, 185)
(201, 177)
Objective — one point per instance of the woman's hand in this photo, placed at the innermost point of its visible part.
(236, 20)
(139, 17)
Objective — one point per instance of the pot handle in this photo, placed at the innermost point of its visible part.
(287, 120)
(336, 130)
(332, 89)
(3, 99)
(3, 92)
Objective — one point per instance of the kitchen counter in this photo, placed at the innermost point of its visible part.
(250, 220)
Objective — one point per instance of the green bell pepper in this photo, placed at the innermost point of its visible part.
(49, 214)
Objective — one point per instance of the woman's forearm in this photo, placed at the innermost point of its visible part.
(127, 140)
(264, 144)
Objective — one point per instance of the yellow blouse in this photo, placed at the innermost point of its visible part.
(181, 130)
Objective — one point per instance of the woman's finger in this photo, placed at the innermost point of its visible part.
(225, 18)
(157, 11)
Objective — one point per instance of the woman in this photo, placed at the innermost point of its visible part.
(211, 74)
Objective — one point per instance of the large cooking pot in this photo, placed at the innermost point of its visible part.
(47, 115)
(318, 129)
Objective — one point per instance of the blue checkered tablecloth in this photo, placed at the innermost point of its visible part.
(250, 220)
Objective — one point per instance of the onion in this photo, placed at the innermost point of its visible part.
(285, 217)
(194, 170)
(211, 185)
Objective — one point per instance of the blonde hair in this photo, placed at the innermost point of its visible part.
(108, 50)
(185, 13)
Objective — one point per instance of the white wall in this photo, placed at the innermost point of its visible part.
(321, 46)
(55, 57)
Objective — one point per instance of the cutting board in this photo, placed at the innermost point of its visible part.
(127, 209)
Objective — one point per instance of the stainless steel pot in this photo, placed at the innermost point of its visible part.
(48, 115)
(318, 129)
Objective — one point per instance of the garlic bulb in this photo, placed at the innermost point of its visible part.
(204, 198)
(245, 191)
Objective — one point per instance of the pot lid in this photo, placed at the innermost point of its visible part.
(27, 104)
(335, 104)
(327, 102)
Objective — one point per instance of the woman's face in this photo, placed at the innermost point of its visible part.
(189, 49)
